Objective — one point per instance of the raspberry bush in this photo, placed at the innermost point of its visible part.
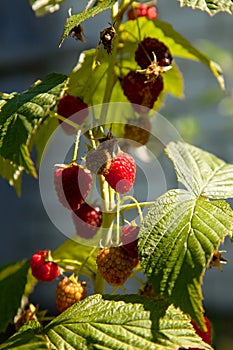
(104, 112)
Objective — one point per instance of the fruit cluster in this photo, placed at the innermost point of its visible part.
(143, 10)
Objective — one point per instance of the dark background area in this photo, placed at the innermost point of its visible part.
(29, 50)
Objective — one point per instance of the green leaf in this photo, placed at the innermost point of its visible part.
(42, 7)
(130, 322)
(210, 6)
(76, 251)
(42, 135)
(13, 279)
(91, 82)
(201, 172)
(12, 173)
(164, 32)
(176, 241)
(28, 338)
(19, 118)
(75, 20)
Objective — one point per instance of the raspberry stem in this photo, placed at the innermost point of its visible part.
(76, 146)
(63, 119)
(136, 203)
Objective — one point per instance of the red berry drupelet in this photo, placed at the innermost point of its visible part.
(43, 270)
(143, 10)
(68, 292)
(115, 265)
(141, 92)
(67, 107)
(147, 48)
(72, 184)
(87, 220)
(121, 173)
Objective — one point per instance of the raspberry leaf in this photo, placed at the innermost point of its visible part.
(176, 241)
(201, 172)
(129, 322)
(76, 19)
(13, 279)
(164, 32)
(28, 338)
(210, 6)
(75, 251)
(20, 117)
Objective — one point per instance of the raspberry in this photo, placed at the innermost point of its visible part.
(140, 92)
(87, 220)
(121, 173)
(114, 265)
(206, 336)
(68, 292)
(144, 53)
(143, 10)
(42, 270)
(68, 106)
(129, 239)
(98, 160)
(139, 133)
(72, 185)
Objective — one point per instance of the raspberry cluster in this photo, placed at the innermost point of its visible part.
(115, 265)
(143, 10)
(42, 268)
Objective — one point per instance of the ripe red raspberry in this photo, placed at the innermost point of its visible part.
(72, 185)
(144, 53)
(43, 270)
(68, 292)
(143, 10)
(67, 107)
(129, 240)
(206, 336)
(139, 133)
(114, 265)
(87, 220)
(141, 92)
(121, 173)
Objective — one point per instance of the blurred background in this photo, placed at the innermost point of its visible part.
(29, 50)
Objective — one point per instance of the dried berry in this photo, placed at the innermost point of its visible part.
(148, 49)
